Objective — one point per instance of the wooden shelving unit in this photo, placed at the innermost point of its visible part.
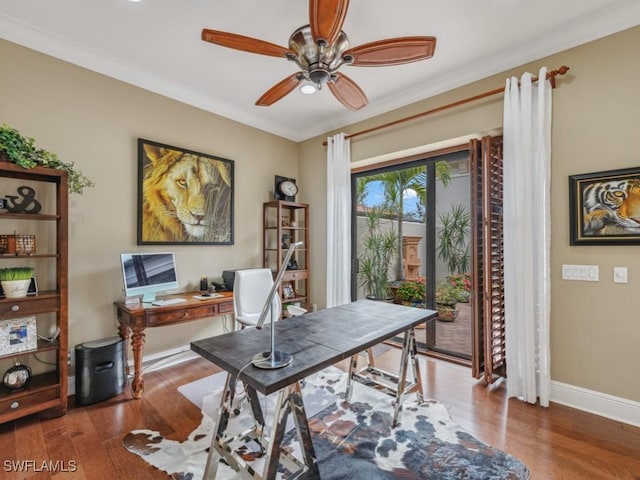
(47, 390)
(284, 223)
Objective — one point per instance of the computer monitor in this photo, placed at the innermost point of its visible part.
(148, 273)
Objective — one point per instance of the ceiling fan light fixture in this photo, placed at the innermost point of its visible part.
(308, 89)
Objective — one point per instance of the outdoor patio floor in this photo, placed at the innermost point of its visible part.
(455, 336)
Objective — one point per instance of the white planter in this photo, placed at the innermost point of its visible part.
(15, 288)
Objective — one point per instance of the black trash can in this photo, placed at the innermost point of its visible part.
(100, 370)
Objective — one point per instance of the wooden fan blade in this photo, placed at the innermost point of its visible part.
(393, 51)
(246, 44)
(347, 92)
(326, 18)
(279, 90)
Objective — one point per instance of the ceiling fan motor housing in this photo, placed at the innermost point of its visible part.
(318, 60)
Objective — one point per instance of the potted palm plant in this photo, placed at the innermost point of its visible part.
(378, 249)
(15, 281)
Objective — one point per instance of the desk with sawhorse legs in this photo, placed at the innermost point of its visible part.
(316, 340)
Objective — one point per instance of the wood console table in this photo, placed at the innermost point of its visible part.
(134, 318)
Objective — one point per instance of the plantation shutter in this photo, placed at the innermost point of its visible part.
(488, 355)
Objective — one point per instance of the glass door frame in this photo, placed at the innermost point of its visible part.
(428, 160)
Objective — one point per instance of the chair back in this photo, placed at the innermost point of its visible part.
(251, 288)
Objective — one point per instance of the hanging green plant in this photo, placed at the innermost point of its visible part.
(22, 151)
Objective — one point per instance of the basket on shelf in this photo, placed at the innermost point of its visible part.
(17, 244)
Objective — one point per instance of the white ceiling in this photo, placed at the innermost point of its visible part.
(156, 45)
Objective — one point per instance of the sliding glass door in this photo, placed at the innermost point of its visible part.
(411, 243)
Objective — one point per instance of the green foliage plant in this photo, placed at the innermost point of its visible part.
(378, 250)
(22, 151)
(16, 273)
(453, 239)
(447, 294)
(411, 290)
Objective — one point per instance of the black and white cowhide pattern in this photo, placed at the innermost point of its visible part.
(353, 440)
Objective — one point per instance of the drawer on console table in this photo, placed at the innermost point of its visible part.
(155, 319)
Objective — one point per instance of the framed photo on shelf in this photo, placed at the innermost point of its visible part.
(184, 197)
(604, 207)
(288, 291)
(18, 335)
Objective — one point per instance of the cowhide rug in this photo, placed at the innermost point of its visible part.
(353, 440)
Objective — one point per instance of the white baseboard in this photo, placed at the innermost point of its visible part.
(615, 408)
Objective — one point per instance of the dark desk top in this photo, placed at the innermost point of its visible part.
(316, 340)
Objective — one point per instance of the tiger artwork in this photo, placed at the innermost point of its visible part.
(611, 208)
(186, 198)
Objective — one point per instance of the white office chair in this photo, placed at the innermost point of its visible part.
(250, 290)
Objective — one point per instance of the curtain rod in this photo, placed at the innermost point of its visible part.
(551, 76)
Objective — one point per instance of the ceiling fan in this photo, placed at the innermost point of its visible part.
(321, 48)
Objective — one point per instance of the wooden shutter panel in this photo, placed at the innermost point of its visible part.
(488, 259)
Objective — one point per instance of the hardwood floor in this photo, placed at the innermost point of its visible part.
(555, 443)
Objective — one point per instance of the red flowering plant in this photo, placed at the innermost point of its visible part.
(462, 282)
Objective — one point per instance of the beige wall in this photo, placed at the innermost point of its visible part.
(95, 121)
(595, 332)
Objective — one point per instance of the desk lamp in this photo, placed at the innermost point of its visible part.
(274, 359)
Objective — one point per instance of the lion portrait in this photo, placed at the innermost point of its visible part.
(185, 197)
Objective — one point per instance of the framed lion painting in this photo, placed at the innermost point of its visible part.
(604, 207)
(184, 197)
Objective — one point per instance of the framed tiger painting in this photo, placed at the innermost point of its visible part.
(184, 197)
(604, 207)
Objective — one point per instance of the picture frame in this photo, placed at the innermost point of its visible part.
(603, 206)
(288, 291)
(184, 197)
(18, 335)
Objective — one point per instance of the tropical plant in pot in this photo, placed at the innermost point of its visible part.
(15, 281)
(446, 301)
(21, 150)
(378, 249)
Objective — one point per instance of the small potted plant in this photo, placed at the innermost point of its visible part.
(462, 281)
(412, 292)
(15, 281)
(446, 300)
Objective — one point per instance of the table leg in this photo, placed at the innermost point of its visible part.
(290, 401)
(409, 352)
(417, 375)
(137, 343)
(353, 368)
(123, 331)
(402, 378)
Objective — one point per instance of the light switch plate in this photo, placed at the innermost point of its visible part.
(584, 273)
(619, 274)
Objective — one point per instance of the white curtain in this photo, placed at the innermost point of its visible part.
(338, 220)
(527, 164)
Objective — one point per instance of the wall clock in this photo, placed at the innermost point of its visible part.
(285, 188)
